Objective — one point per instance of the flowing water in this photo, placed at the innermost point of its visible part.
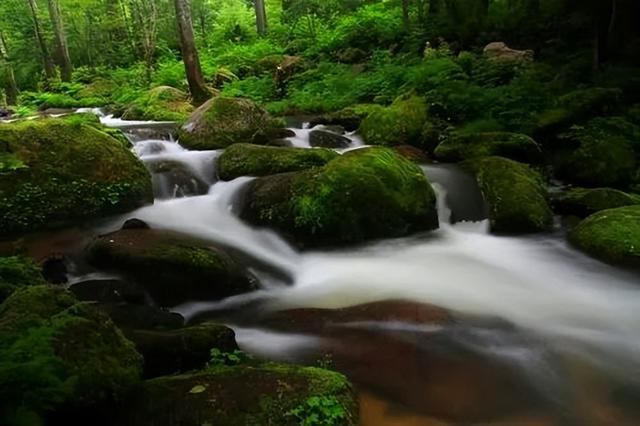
(541, 333)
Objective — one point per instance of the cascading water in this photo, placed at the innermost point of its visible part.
(560, 301)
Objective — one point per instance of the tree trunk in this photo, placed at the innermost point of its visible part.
(405, 14)
(47, 64)
(61, 40)
(11, 87)
(261, 17)
(199, 91)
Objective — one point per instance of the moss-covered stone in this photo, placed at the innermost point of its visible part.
(350, 118)
(253, 394)
(515, 194)
(17, 272)
(611, 235)
(399, 124)
(583, 202)
(223, 121)
(600, 153)
(464, 146)
(254, 160)
(65, 172)
(59, 355)
(171, 267)
(181, 350)
(100, 88)
(163, 103)
(364, 194)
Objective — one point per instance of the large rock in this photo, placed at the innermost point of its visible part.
(17, 272)
(611, 235)
(172, 268)
(261, 394)
(515, 194)
(350, 118)
(163, 103)
(464, 146)
(221, 122)
(56, 172)
(180, 350)
(364, 194)
(327, 139)
(399, 124)
(583, 202)
(500, 51)
(60, 356)
(600, 153)
(254, 160)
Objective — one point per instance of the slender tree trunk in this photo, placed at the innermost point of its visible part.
(11, 87)
(47, 64)
(61, 40)
(261, 17)
(405, 14)
(197, 87)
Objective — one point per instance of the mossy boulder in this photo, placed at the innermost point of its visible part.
(171, 267)
(54, 173)
(399, 124)
(363, 194)
(223, 121)
(17, 272)
(254, 160)
(583, 202)
(460, 146)
(515, 194)
(611, 235)
(100, 88)
(60, 356)
(246, 394)
(600, 153)
(163, 103)
(180, 350)
(350, 118)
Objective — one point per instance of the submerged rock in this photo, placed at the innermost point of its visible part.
(515, 194)
(180, 350)
(327, 139)
(464, 146)
(399, 124)
(221, 122)
(58, 355)
(611, 235)
(172, 268)
(254, 160)
(246, 394)
(56, 172)
(364, 194)
(583, 202)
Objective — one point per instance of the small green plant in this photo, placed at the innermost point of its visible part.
(319, 410)
(217, 357)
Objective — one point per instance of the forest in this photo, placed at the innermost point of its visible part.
(320, 212)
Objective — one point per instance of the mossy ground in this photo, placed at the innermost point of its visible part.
(364, 194)
(515, 194)
(69, 171)
(253, 160)
(399, 124)
(611, 235)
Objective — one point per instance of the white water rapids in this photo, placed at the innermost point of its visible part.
(538, 283)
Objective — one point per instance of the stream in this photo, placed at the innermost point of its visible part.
(538, 332)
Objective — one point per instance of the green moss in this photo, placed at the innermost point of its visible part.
(72, 172)
(221, 122)
(17, 272)
(56, 353)
(246, 394)
(399, 124)
(364, 194)
(515, 195)
(460, 146)
(253, 160)
(585, 201)
(611, 235)
(600, 153)
(163, 103)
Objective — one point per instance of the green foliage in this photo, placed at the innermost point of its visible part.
(399, 124)
(319, 410)
(17, 272)
(218, 358)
